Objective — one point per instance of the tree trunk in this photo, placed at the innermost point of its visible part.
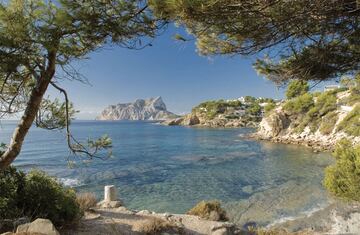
(29, 115)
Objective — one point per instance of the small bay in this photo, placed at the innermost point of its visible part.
(170, 169)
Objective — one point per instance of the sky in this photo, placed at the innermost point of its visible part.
(170, 69)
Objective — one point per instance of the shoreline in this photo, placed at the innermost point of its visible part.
(316, 145)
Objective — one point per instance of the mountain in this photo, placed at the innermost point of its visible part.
(140, 109)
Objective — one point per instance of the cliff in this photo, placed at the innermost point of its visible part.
(315, 120)
(149, 109)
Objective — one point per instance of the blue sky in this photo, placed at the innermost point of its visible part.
(169, 69)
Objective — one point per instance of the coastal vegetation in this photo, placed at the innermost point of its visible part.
(342, 179)
(320, 110)
(210, 210)
(296, 88)
(248, 110)
(350, 124)
(36, 195)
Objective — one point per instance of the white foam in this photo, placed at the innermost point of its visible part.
(303, 214)
(69, 182)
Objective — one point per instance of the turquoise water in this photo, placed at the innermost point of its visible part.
(169, 169)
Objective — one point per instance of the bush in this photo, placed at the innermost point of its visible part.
(300, 104)
(49, 199)
(155, 225)
(254, 109)
(86, 201)
(343, 178)
(269, 107)
(351, 123)
(36, 195)
(328, 123)
(12, 185)
(297, 88)
(210, 210)
(318, 113)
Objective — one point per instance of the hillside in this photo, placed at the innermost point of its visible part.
(243, 112)
(149, 109)
(317, 120)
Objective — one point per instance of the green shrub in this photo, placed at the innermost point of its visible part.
(328, 123)
(315, 115)
(343, 178)
(12, 185)
(210, 210)
(47, 198)
(353, 98)
(212, 108)
(254, 109)
(326, 102)
(269, 107)
(300, 104)
(297, 88)
(351, 123)
(36, 195)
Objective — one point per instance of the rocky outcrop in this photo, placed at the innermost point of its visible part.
(195, 119)
(149, 109)
(278, 127)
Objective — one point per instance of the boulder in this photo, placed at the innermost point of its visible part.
(110, 204)
(191, 120)
(42, 226)
(174, 122)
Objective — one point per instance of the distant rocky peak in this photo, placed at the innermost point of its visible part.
(158, 103)
(140, 109)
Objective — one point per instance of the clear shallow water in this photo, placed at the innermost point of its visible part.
(170, 169)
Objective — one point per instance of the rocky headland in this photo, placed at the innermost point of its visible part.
(148, 109)
(242, 112)
(318, 121)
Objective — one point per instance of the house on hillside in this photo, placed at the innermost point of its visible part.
(331, 87)
(240, 112)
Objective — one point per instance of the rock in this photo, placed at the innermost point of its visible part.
(42, 226)
(110, 204)
(191, 120)
(222, 231)
(247, 189)
(214, 216)
(149, 109)
(173, 122)
(144, 212)
(19, 221)
(7, 233)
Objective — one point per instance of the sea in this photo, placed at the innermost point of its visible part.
(171, 168)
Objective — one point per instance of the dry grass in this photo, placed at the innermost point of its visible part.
(210, 210)
(86, 201)
(260, 231)
(153, 226)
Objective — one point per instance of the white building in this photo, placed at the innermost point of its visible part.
(331, 87)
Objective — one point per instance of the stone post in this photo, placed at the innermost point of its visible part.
(110, 193)
(110, 198)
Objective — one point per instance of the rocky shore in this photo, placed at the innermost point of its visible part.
(279, 127)
(218, 122)
(111, 217)
(313, 142)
